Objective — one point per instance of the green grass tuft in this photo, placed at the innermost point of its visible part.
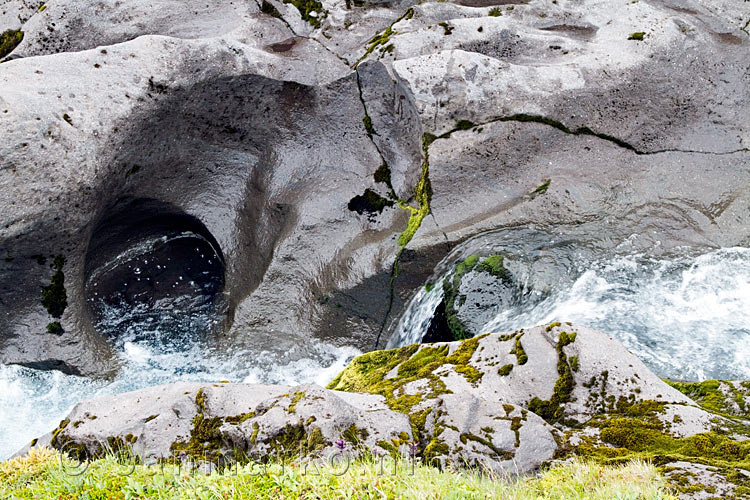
(45, 474)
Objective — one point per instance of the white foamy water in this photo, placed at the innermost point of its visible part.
(32, 402)
(686, 318)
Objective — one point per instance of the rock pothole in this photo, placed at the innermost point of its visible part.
(154, 274)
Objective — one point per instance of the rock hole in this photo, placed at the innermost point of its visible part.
(154, 275)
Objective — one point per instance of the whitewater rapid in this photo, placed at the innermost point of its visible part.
(687, 318)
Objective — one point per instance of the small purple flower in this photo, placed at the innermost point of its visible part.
(340, 444)
(413, 448)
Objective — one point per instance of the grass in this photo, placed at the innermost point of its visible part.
(41, 474)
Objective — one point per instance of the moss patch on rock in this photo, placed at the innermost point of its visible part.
(367, 373)
(369, 203)
(306, 9)
(268, 8)
(552, 410)
(452, 297)
(54, 296)
(719, 396)
(9, 40)
(494, 265)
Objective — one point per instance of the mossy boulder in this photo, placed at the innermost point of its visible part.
(223, 422)
(454, 403)
(597, 398)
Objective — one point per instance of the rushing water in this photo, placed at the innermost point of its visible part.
(686, 317)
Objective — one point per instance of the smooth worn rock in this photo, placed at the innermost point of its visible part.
(209, 421)
(309, 165)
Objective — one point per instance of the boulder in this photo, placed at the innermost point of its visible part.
(507, 403)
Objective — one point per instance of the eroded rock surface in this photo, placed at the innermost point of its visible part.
(268, 123)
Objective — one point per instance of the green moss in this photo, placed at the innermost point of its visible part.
(205, 439)
(641, 438)
(464, 125)
(519, 351)
(552, 325)
(447, 28)
(638, 35)
(56, 433)
(355, 435)
(574, 364)
(552, 410)
(515, 426)
(306, 7)
(368, 125)
(369, 202)
(383, 38)
(55, 328)
(434, 450)
(268, 8)
(149, 419)
(500, 454)
(383, 175)
(422, 195)
(295, 399)
(428, 287)
(390, 448)
(495, 12)
(238, 419)
(54, 296)
(494, 266)
(505, 370)
(200, 400)
(294, 440)
(541, 189)
(9, 40)
(254, 436)
(367, 373)
(707, 394)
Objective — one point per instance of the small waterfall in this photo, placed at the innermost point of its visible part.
(416, 318)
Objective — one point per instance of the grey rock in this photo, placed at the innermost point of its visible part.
(443, 403)
(701, 482)
(204, 421)
(174, 138)
(252, 126)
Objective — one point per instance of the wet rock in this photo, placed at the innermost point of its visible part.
(476, 292)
